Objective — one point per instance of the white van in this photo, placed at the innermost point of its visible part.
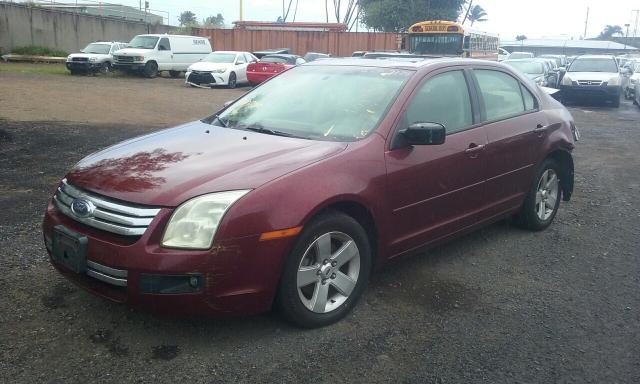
(150, 54)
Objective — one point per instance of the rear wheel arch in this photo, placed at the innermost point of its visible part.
(565, 161)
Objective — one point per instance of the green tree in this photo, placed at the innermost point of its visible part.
(609, 31)
(477, 13)
(521, 37)
(187, 19)
(214, 21)
(398, 15)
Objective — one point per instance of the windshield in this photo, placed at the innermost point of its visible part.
(529, 67)
(331, 103)
(143, 42)
(220, 57)
(593, 65)
(440, 44)
(102, 49)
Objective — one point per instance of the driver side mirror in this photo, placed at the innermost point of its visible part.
(421, 134)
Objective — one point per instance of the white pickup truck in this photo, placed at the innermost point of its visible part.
(94, 57)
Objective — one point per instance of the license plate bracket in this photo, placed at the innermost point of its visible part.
(69, 249)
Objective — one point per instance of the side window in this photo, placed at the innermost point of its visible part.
(442, 99)
(501, 94)
(249, 58)
(529, 100)
(164, 45)
(240, 59)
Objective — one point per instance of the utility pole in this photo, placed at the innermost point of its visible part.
(626, 38)
(586, 22)
(241, 10)
(635, 28)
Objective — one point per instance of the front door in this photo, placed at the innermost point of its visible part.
(436, 190)
(165, 55)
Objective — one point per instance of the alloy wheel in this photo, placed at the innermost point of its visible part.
(328, 272)
(547, 194)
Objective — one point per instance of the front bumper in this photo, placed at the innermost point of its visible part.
(238, 276)
(82, 65)
(136, 66)
(258, 77)
(598, 91)
(207, 79)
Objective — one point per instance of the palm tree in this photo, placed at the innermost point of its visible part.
(609, 31)
(477, 13)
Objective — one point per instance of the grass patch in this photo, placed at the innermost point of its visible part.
(50, 69)
(39, 51)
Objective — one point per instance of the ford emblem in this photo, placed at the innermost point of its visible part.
(82, 208)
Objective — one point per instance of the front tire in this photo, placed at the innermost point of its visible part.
(326, 272)
(105, 68)
(232, 83)
(543, 200)
(615, 102)
(150, 69)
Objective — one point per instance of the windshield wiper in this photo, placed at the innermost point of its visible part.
(259, 128)
(224, 123)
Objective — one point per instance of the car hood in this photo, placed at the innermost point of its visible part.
(206, 66)
(599, 76)
(132, 52)
(171, 166)
(99, 56)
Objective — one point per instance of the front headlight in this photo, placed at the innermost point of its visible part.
(93, 59)
(614, 81)
(223, 70)
(69, 58)
(633, 81)
(566, 80)
(194, 223)
(138, 58)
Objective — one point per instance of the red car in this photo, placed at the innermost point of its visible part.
(271, 65)
(263, 203)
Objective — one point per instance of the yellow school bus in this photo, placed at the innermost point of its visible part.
(448, 38)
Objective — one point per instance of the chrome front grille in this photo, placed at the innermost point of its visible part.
(105, 214)
(590, 82)
(124, 59)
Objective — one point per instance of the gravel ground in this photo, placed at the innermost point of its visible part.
(499, 305)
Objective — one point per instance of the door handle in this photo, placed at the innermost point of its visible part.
(473, 150)
(540, 129)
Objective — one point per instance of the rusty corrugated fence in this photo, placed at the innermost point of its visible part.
(300, 42)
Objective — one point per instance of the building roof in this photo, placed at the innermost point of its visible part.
(562, 43)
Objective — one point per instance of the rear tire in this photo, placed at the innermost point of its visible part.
(150, 69)
(543, 199)
(326, 272)
(174, 74)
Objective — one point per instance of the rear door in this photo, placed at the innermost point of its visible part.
(241, 68)
(515, 129)
(436, 190)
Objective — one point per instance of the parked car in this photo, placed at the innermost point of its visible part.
(503, 54)
(595, 76)
(292, 194)
(535, 69)
(283, 51)
(97, 56)
(632, 71)
(271, 65)
(520, 55)
(311, 56)
(561, 60)
(228, 68)
(150, 54)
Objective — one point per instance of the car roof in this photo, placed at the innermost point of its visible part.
(400, 63)
(283, 55)
(231, 52)
(595, 57)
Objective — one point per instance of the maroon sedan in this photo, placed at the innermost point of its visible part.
(269, 202)
(271, 65)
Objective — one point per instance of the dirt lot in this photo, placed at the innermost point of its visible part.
(500, 305)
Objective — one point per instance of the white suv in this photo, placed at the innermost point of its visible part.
(595, 76)
(94, 57)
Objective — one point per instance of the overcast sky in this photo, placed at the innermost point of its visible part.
(535, 18)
